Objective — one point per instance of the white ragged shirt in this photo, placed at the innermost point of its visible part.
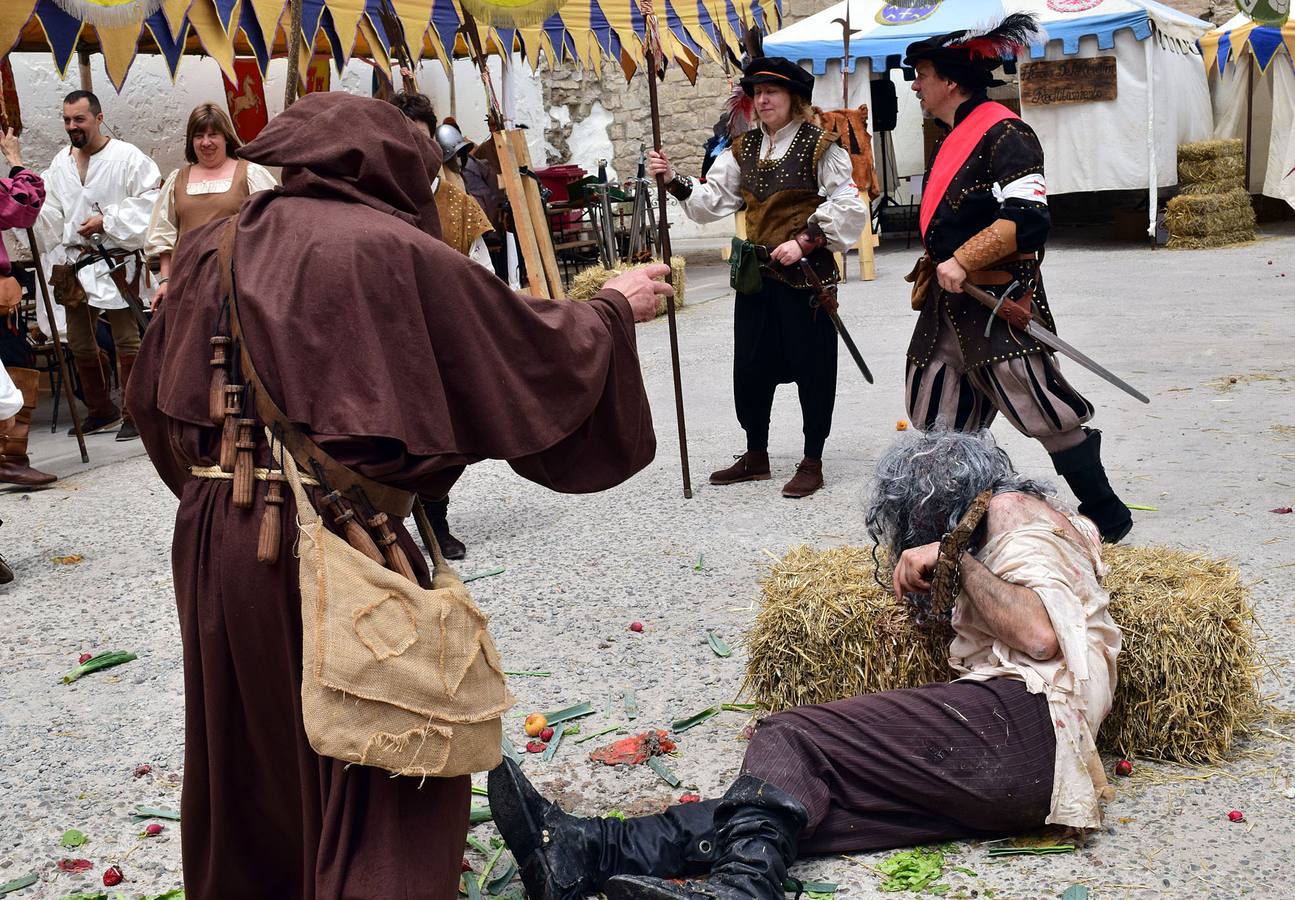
(841, 215)
(1079, 682)
(10, 396)
(121, 184)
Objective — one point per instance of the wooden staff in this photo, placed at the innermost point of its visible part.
(651, 47)
(294, 52)
(400, 44)
(58, 345)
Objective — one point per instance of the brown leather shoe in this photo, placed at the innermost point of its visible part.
(15, 467)
(750, 466)
(808, 479)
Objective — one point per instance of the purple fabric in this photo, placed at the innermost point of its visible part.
(21, 198)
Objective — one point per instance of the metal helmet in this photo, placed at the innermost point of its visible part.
(451, 139)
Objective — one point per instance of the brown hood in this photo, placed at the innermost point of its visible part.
(339, 146)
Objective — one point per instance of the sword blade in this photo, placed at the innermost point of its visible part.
(1043, 336)
(849, 345)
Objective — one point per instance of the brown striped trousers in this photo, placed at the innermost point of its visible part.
(1029, 391)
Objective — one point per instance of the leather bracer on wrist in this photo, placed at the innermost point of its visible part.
(988, 246)
(680, 187)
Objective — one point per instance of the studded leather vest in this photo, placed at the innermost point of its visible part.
(780, 196)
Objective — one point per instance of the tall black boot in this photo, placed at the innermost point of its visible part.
(758, 827)
(1081, 466)
(451, 547)
(565, 857)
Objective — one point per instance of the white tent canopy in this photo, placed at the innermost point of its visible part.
(1130, 143)
(1251, 69)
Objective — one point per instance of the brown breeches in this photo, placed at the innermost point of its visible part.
(894, 769)
(82, 321)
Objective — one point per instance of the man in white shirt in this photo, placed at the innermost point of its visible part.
(99, 190)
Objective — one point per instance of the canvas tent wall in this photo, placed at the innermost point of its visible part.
(1252, 80)
(1126, 144)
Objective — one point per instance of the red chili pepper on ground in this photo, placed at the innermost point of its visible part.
(112, 876)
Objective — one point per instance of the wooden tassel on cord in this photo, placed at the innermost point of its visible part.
(397, 561)
(229, 435)
(267, 542)
(219, 378)
(356, 536)
(243, 474)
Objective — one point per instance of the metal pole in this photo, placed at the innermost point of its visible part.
(58, 346)
(663, 230)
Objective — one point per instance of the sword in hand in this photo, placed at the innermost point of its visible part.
(1035, 330)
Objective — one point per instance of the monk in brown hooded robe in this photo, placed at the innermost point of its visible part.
(406, 362)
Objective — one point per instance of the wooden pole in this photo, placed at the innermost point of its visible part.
(650, 46)
(1250, 103)
(294, 52)
(58, 346)
(539, 220)
(83, 60)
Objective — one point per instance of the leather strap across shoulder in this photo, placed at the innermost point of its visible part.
(392, 501)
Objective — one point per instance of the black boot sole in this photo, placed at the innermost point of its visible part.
(758, 476)
(513, 804)
(637, 887)
(95, 426)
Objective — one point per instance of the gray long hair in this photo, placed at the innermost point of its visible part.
(926, 482)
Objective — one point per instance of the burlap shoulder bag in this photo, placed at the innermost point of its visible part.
(393, 675)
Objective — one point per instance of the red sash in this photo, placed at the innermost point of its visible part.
(961, 141)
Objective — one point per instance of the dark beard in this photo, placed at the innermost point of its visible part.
(78, 140)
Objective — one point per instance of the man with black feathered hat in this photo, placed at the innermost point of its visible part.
(797, 187)
(984, 220)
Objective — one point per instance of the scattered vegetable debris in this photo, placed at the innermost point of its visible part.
(73, 838)
(663, 770)
(98, 662)
(717, 644)
(911, 870)
(632, 751)
(75, 865)
(488, 573)
(682, 725)
(70, 560)
(579, 711)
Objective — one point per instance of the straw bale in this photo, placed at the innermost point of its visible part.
(1213, 149)
(1220, 239)
(1188, 672)
(588, 282)
(1211, 186)
(1207, 215)
(1211, 169)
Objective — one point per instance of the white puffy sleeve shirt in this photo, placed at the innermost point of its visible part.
(121, 184)
(841, 215)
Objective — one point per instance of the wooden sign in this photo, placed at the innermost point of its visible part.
(1053, 82)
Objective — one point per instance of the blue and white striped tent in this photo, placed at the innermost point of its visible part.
(1126, 144)
(887, 29)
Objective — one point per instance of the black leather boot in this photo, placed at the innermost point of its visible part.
(451, 547)
(1081, 466)
(565, 857)
(758, 827)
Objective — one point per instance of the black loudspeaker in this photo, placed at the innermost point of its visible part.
(885, 105)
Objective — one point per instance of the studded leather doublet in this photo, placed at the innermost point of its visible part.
(780, 195)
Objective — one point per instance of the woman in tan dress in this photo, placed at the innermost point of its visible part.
(213, 186)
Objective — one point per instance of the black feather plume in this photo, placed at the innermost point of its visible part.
(1007, 39)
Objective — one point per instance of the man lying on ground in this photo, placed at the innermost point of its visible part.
(1007, 747)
